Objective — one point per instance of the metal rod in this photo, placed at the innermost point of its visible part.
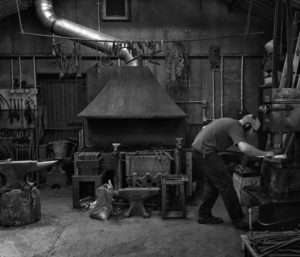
(20, 71)
(213, 93)
(19, 17)
(53, 44)
(250, 221)
(34, 72)
(190, 102)
(159, 41)
(12, 72)
(222, 86)
(242, 83)
(98, 15)
(87, 57)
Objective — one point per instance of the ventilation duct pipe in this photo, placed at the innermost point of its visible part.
(66, 28)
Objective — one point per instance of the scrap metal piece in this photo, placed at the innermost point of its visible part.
(147, 180)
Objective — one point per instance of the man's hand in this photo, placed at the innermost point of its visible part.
(269, 154)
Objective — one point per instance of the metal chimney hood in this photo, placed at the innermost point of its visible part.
(133, 93)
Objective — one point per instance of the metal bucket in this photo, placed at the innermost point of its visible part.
(59, 149)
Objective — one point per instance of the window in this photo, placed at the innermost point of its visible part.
(115, 10)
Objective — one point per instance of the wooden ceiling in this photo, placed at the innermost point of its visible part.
(262, 8)
(9, 7)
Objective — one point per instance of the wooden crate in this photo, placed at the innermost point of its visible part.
(87, 163)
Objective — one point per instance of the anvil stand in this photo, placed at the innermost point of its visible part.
(19, 199)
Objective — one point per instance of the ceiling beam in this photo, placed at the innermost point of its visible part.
(233, 5)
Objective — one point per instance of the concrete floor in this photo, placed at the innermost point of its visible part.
(63, 232)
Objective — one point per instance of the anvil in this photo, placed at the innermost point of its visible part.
(15, 172)
(136, 197)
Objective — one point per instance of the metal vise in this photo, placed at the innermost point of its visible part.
(16, 172)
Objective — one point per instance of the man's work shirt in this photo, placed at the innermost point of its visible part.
(219, 135)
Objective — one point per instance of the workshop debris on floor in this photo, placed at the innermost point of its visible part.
(63, 231)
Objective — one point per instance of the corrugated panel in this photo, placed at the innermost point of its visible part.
(55, 135)
(64, 100)
(9, 7)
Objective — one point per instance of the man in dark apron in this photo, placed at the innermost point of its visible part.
(212, 139)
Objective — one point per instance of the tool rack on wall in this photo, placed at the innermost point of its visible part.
(18, 112)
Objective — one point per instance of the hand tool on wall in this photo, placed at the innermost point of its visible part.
(10, 114)
(152, 48)
(156, 154)
(28, 115)
(3, 103)
(16, 114)
(204, 107)
(78, 61)
(168, 154)
(242, 110)
(1, 107)
(213, 93)
(20, 71)
(214, 59)
(118, 163)
(20, 107)
(59, 57)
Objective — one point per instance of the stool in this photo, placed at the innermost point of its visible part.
(171, 180)
(76, 186)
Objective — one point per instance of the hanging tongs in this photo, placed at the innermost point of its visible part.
(152, 47)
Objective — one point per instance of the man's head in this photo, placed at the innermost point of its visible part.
(250, 123)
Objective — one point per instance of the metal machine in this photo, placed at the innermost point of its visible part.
(282, 122)
(279, 193)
